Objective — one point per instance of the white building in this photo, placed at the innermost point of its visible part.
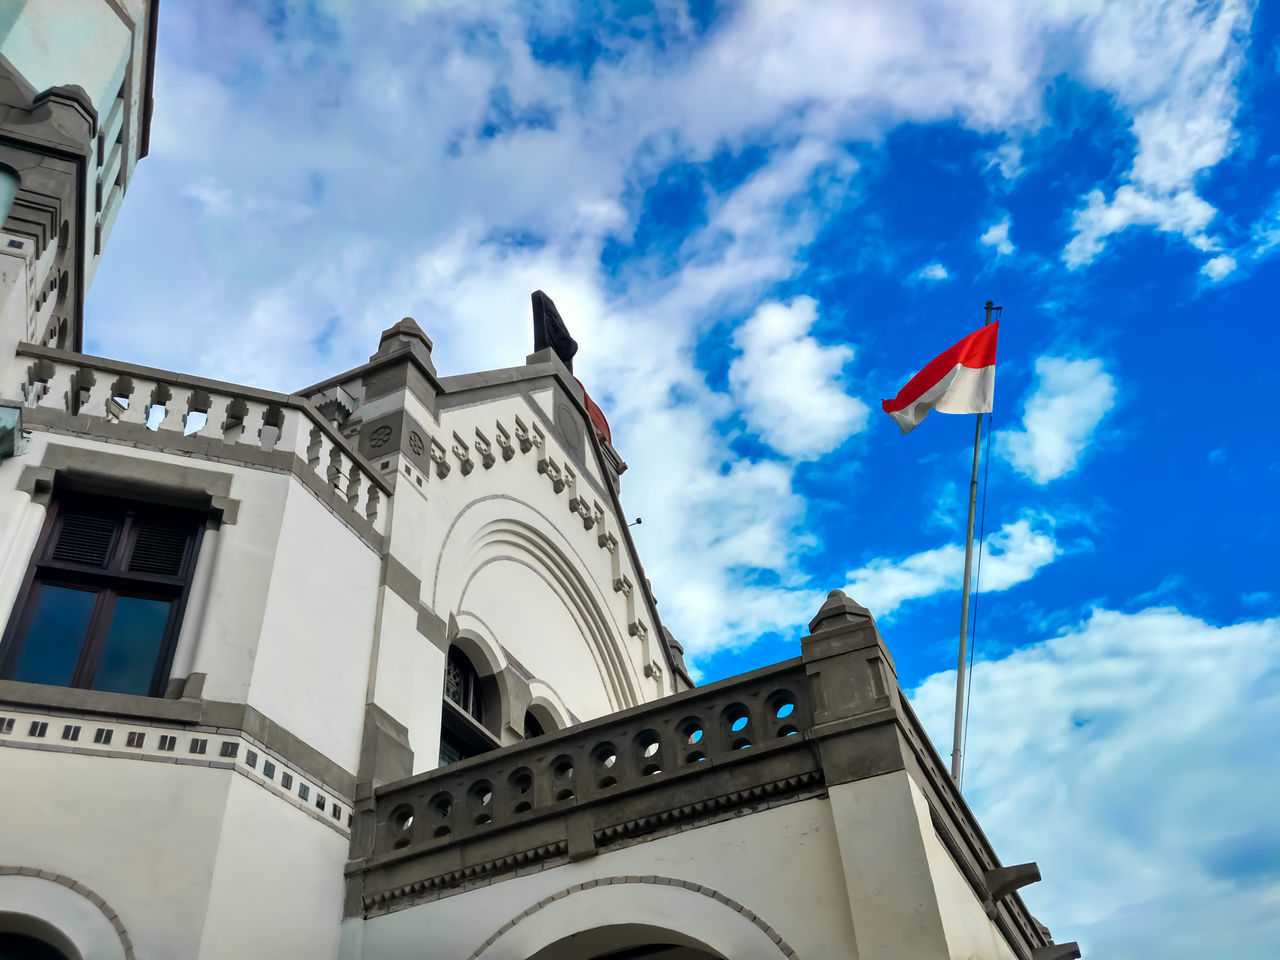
(245, 629)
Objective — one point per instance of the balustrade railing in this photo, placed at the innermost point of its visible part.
(201, 415)
(595, 762)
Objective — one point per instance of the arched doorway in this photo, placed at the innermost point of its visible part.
(627, 942)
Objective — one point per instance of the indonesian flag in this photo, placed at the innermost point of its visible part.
(960, 380)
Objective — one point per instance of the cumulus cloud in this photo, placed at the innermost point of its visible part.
(1181, 212)
(1012, 555)
(791, 387)
(997, 236)
(343, 168)
(1132, 757)
(1173, 67)
(931, 273)
(1219, 268)
(1070, 398)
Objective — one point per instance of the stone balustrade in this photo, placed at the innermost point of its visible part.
(578, 791)
(782, 734)
(197, 416)
(630, 751)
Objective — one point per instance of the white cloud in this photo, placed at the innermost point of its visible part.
(931, 272)
(1181, 212)
(317, 215)
(1132, 756)
(1070, 399)
(997, 235)
(1007, 158)
(1172, 66)
(790, 387)
(1219, 267)
(1012, 555)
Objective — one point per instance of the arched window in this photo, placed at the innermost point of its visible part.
(462, 685)
(532, 726)
(463, 729)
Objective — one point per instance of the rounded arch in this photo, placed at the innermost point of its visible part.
(547, 707)
(709, 921)
(62, 913)
(616, 941)
(501, 528)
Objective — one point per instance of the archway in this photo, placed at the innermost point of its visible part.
(630, 941)
(24, 937)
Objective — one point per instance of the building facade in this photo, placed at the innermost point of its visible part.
(373, 669)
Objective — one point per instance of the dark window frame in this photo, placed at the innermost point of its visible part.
(109, 581)
(463, 731)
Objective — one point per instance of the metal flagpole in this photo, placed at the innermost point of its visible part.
(964, 589)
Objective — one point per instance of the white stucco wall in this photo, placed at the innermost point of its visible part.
(277, 882)
(970, 932)
(550, 596)
(143, 836)
(779, 863)
(312, 664)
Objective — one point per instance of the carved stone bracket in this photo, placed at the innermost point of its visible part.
(440, 458)
(463, 453)
(485, 450)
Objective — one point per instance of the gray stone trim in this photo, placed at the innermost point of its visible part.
(431, 626)
(155, 373)
(278, 461)
(173, 378)
(479, 395)
(785, 949)
(134, 475)
(423, 386)
(75, 886)
(198, 714)
(37, 483)
(117, 749)
(401, 581)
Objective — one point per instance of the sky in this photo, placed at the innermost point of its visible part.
(758, 221)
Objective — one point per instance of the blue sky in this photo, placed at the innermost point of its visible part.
(758, 221)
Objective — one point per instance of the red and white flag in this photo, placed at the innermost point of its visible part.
(960, 380)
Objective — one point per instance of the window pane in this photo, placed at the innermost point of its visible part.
(132, 645)
(54, 636)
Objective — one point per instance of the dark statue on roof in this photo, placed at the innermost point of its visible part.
(549, 330)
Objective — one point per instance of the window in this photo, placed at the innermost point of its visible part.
(532, 728)
(103, 598)
(462, 684)
(462, 729)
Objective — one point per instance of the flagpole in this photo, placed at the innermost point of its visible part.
(964, 591)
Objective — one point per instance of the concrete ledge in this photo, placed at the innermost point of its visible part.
(212, 715)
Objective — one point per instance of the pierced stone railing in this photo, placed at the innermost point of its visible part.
(779, 735)
(639, 749)
(199, 416)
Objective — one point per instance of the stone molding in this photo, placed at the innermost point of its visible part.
(784, 948)
(66, 392)
(75, 886)
(657, 768)
(188, 714)
(136, 477)
(222, 748)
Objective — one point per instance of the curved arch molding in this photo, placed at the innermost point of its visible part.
(47, 905)
(734, 908)
(500, 527)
